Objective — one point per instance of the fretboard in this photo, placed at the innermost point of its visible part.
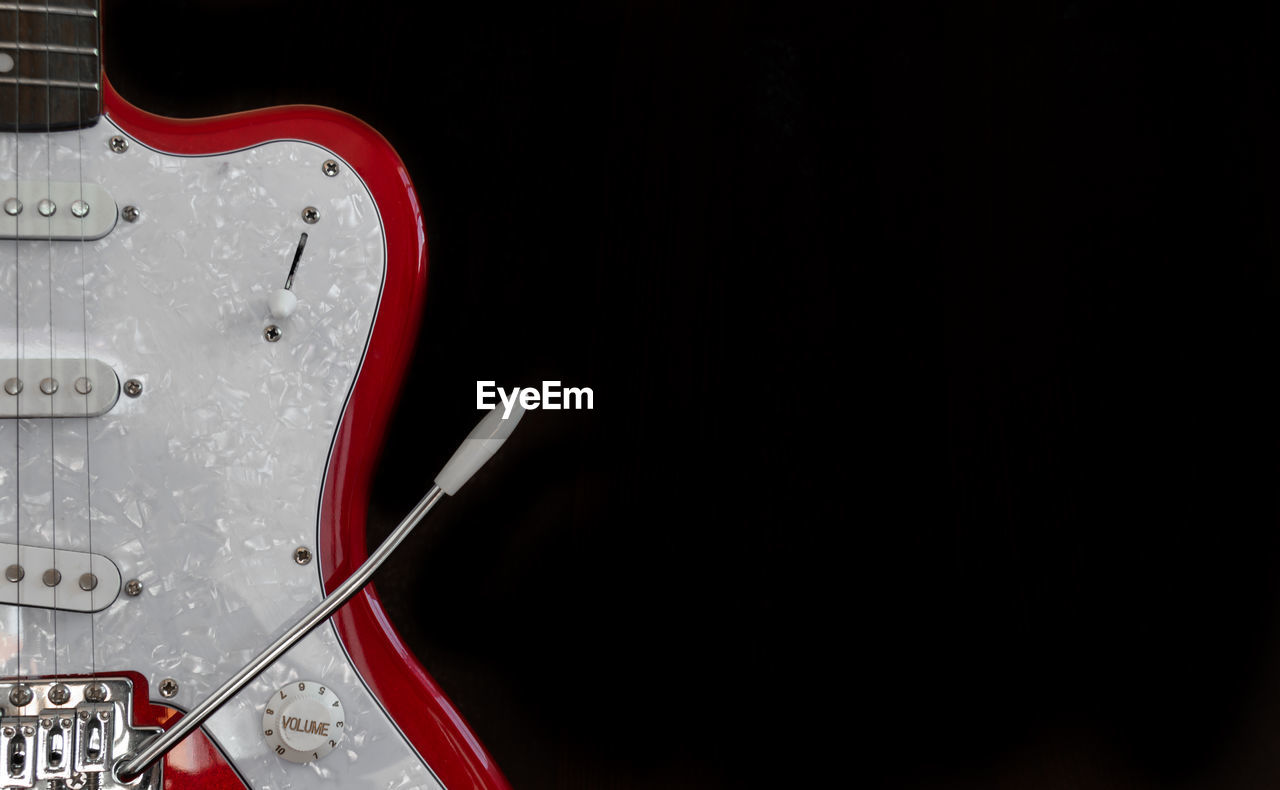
(50, 68)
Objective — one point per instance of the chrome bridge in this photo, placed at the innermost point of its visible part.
(69, 734)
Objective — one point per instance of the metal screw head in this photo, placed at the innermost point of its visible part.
(130, 213)
(13, 207)
(133, 588)
(51, 577)
(79, 208)
(330, 168)
(311, 215)
(48, 386)
(46, 207)
(84, 386)
(14, 573)
(28, 730)
(118, 144)
(302, 555)
(59, 694)
(13, 386)
(21, 695)
(272, 333)
(9, 732)
(133, 388)
(95, 692)
(168, 687)
(88, 582)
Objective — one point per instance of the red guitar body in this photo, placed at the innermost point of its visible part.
(413, 699)
(419, 709)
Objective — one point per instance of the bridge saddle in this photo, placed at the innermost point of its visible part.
(68, 734)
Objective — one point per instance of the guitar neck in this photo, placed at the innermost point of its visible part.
(50, 65)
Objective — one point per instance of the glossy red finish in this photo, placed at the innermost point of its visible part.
(196, 762)
(409, 694)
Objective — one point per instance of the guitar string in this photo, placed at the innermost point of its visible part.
(17, 328)
(84, 310)
(53, 464)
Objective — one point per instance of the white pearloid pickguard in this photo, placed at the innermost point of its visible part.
(204, 485)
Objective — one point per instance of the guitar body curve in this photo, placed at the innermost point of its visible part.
(239, 449)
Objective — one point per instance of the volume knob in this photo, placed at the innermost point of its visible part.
(303, 721)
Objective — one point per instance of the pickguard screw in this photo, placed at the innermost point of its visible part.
(130, 213)
(48, 386)
(14, 573)
(59, 694)
(13, 386)
(88, 582)
(95, 692)
(118, 144)
(79, 208)
(13, 207)
(330, 168)
(52, 577)
(133, 388)
(311, 215)
(133, 588)
(84, 386)
(302, 555)
(271, 333)
(168, 687)
(20, 695)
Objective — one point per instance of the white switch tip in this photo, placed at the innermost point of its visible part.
(282, 303)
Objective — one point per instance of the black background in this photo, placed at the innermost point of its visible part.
(934, 439)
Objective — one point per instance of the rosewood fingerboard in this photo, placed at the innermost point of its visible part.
(50, 65)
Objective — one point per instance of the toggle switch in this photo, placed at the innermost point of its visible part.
(283, 303)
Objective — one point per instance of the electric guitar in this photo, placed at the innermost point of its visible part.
(202, 331)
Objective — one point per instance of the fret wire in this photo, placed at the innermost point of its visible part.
(93, 86)
(62, 10)
(70, 62)
(49, 47)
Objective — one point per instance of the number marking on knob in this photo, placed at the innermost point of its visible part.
(303, 721)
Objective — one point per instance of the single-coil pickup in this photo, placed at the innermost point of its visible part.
(55, 211)
(71, 581)
(64, 387)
